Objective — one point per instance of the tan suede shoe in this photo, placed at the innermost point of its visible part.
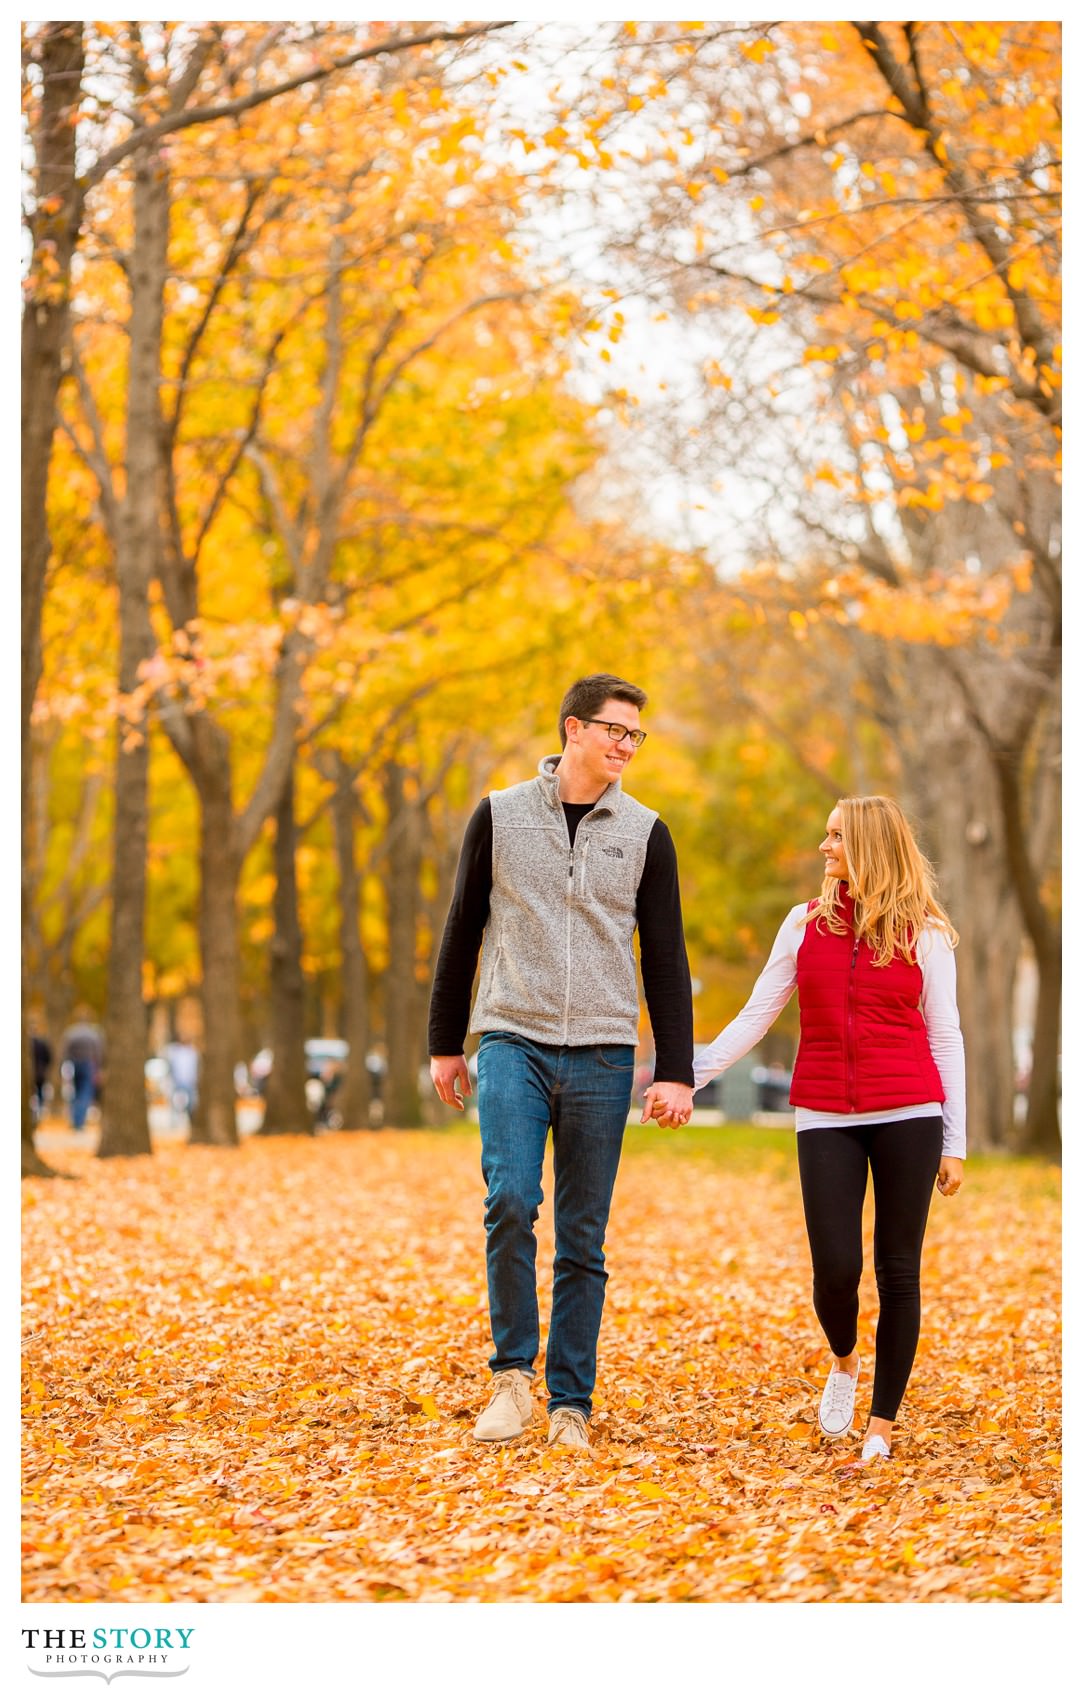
(510, 1409)
(568, 1427)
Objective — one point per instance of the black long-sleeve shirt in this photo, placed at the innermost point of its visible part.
(667, 984)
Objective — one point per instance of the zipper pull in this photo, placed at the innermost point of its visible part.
(853, 959)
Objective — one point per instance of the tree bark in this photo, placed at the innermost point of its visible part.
(402, 1102)
(219, 869)
(1041, 1130)
(287, 1107)
(1021, 775)
(960, 828)
(125, 1127)
(976, 730)
(53, 228)
(354, 1093)
(987, 966)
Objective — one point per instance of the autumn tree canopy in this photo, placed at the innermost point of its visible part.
(378, 380)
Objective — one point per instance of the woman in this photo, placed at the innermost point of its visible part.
(878, 1084)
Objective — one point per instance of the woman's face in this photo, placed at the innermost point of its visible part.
(832, 851)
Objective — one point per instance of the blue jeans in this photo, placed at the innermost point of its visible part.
(82, 1082)
(583, 1093)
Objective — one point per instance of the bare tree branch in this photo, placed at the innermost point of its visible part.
(95, 458)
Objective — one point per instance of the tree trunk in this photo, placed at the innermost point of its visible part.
(402, 1102)
(954, 792)
(125, 1128)
(53, 230)
(986, 962)
(354, 1093)
(444, 855)
(960, 828)
(225, 839)
(216, 1118)
(287, 1107)
(1041, 1129)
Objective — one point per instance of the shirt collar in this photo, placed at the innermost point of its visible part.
(550, 785)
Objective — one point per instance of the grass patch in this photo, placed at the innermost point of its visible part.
(731, 1145)
(741, 1146)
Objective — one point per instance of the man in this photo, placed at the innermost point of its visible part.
(183, 1060)
(555, 875)
(41, 1060)
(83, 1051)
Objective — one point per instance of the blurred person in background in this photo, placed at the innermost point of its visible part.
(183, 1060)
(83, 1052)
(41, 1061)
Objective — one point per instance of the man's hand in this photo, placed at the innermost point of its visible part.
(448, 1075)
(667, 1102)
(950, 1178)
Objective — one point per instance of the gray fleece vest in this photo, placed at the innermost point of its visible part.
(557, 963)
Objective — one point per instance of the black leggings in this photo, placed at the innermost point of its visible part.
(834, 1162)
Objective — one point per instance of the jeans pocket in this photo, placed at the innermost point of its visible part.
(619, 1058)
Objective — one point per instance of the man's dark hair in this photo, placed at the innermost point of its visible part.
(586, 696)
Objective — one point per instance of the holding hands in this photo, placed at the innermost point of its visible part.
(669, 1103)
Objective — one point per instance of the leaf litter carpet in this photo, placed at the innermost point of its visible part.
(253, 1375)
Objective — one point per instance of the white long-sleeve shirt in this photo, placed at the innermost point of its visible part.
(772, 993)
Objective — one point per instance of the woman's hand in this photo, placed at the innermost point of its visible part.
(669, 1103)
(950, 1178)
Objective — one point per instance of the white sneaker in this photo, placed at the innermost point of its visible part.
(510, 1409)
(837, 1403)
(875, 1447)
(568, 1427)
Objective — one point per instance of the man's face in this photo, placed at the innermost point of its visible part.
(600, 756)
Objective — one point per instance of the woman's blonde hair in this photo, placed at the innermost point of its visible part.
(892, 884)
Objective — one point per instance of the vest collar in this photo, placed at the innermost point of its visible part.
(550, 788)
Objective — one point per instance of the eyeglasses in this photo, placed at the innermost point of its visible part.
(617, 732)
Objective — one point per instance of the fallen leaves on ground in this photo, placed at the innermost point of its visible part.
(253, 1375)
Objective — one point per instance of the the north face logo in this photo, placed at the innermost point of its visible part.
(612, 850)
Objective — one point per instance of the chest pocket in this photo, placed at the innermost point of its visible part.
(611, 870)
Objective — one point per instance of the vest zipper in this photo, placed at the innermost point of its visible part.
(568, 924)
(568, 938)
(851, 1059)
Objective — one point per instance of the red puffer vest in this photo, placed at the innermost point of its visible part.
(863, 1041)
